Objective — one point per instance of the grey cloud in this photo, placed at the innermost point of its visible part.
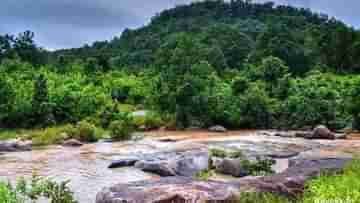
(72, 23)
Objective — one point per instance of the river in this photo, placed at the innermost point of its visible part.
(86, 167)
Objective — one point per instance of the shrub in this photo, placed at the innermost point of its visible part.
(48, 136)
(260, 167)
(121, 129)
(152, 120)
(218, 153)
(7, 195)
(86, 132)
(35, 189)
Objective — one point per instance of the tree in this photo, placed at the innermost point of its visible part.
(340, 48)
(42, 109)
(354, 106)
(6, 99)
(279, 42)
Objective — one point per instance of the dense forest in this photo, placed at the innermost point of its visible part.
(238, 64)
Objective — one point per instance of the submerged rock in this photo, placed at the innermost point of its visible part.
(123, 163)
(15, 146)
(183, 189)
(161, 168)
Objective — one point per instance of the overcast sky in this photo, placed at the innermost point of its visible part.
(72, 23)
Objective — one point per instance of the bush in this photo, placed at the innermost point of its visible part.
(49, 136)
(260, 167)
(218, 153)
(121, 129)
(35, 189)
(7, 195)
(86, 132)
(153, 120)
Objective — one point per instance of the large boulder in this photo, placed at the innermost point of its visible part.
(175, 164)
(182, 189)
(15, 146)
(161, 168)
(230, 167)
(218, 129)
(322, 132)
(167, 190)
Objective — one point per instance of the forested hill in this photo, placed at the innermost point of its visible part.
(234, 32)
(236, 64)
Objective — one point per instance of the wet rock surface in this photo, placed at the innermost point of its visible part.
(72, 143)
(181, 189)
(15, 146)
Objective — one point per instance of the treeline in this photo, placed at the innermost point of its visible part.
(238, 64)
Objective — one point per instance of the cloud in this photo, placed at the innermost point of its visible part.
(72, 23)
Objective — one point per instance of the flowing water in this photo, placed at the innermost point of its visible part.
(86, 167)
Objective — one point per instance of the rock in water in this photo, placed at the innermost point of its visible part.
(123, 163)
(161, 168)
(72, 143)
(230, 167)
(322, 132)
(218, 129)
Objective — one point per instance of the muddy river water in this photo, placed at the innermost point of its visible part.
(86, 167)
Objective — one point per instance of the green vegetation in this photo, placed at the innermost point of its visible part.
(344, 187)
(259, 167)
(204, 175)
(238, 64)
(33, 190)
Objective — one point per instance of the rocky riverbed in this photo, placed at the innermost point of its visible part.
(177, 156)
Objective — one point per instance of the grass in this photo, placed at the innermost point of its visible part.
(7, 134)
(341, 187)
(7, 195)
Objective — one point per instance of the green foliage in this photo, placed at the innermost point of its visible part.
(204, 175)
(7, 195)
(218, 153)
(234, 63)
(259, 167)
(36, 188)
(354, 104)
(86, 132)
(7, 98)
(122, 129)
(344, 186)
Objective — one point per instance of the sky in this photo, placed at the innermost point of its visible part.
(72, 23)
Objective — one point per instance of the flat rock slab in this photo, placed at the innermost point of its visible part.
(170, 189)
(181, 189)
